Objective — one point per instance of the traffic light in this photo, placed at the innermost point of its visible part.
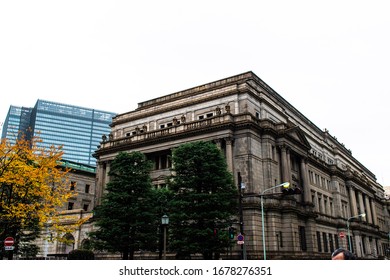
(231, 232)
(291, 191)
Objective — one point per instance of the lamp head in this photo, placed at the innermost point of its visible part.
(165, 220)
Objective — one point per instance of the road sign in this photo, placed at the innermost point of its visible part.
(341, 234)
(9, 248)
(240, 239)
(9, 241)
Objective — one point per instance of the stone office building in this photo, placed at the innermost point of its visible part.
(81, 180)
(267, 141)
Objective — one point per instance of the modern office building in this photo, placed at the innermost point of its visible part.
(77, 129)
(17, 120)
(267, 141)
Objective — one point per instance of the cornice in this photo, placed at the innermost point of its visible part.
(162, 102)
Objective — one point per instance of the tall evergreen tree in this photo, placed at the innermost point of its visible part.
(125, 220)
(204, 201)
(160, 203)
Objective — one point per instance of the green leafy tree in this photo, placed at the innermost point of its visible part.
(204, 201)
(125, 219)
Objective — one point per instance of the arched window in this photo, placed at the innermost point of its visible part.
(68, 245)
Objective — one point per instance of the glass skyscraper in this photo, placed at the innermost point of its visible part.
(78, 130)
(17, 121)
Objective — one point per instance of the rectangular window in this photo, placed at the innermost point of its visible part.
(70, 205)
(331, 242)
(281, 239)
(209, 115)
(157, 163)
(317, 179)
(326, 206)
(319, 244)
(87, 186)
(319, 205)
(331, 208)
(85, 207)
(336, 241)
(302, 238)
(350, 248)
(164, 162)
(364, 244)
(72, 185)
(311, 177)
(325, 239)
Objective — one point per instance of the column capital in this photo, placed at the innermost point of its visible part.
(229, 140)
(283, 147)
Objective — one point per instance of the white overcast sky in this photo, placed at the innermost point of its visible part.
(329, 59)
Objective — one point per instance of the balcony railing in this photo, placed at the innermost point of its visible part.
(180, 128)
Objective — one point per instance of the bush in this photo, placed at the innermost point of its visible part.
(81, 254)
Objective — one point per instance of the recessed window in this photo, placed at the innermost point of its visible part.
(72, 185)
(87, 187)
(70, 205)
(85, 207)
(209, 115)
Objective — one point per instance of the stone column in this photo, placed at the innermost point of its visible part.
(288, 165)
(99, 183)
(305, 181)
(374, 216)
(361, 204)
(310, 234)
(218, 143)
(322, 208)
(229, 153)
(317, 207)
(368, 210)
(284, 164)
(352, 201)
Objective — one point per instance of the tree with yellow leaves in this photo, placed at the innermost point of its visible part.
(33, 187)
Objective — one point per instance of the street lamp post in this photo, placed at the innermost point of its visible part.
(349, 236)
(165, 222)
(284, 185)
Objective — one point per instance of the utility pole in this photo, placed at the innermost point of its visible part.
(243, 247)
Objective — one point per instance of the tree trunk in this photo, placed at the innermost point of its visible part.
(125, 253)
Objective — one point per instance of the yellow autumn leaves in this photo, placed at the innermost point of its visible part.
(33, 186)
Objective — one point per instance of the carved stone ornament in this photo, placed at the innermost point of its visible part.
(227, 108)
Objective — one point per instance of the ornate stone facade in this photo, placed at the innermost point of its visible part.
(267, 141)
